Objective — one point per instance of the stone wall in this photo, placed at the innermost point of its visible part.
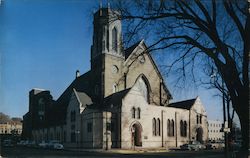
(198, 110)
(148, 112)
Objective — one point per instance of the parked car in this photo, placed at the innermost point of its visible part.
(212, 146)
(186, 147)
(21, 143)
(209, 146)
(30, 143)
(43, 144)
(58, 146)
(55, 144)
(193, 145)
(8, 143)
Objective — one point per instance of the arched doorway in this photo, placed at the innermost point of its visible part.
(199, 134)
(136, 134)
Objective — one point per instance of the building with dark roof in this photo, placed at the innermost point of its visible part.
(122, 102)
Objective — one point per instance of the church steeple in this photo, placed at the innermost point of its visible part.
(107, 55)
(107, 36)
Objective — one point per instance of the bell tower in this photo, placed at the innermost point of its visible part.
(107, 36)
(107, 55)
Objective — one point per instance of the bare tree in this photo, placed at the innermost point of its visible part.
(4, 118)
(199, 31)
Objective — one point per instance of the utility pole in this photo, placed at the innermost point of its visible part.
(225, 122)
(176, 139)
(106, 130)
(225, 128)
(162, 137)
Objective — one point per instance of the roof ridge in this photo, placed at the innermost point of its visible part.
(183, 101)
(185, 104)
(131, 48)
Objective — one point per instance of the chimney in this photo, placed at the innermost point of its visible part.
(77, 73)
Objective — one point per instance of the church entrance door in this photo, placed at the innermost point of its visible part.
(199, 134)
(136, 135)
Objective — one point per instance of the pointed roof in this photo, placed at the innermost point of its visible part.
(81, 84)
(130, 49)
(115, 98)
(185, 104)
(83, 98)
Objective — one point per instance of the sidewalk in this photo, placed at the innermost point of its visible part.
(120, 151)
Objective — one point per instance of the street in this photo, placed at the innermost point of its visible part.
(24, 152)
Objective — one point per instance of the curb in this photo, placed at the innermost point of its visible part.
(118, 151)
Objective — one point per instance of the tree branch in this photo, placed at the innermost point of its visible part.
(230, 10)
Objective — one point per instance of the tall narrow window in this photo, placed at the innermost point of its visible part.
(133, 112)
(103, 45)
(197, 119)
(107, 40)
(138, 113)
(141, 86)
(185, 128)
(103, 38)
(72, 116)
(172, 128)
(89, 127)
(73, 137)
(108, 126)
(181, 128)
(169, 128)
(154, 126)
(114, 39)
(158, 127)
(64, 136)
(200, 119)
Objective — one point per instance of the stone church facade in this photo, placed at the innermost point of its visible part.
(122, 102)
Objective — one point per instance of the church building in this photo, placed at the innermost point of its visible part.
(121, 102)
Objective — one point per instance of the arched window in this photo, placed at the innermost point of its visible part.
(114, 39)
(197, 119)
(185, 128)
(107, 39)
(181, 128)
(133, 112)
(172, 128)
(154, 126)
(141, 86)
(169, 128)
(138, 113)
(201, 120)
(158, 127)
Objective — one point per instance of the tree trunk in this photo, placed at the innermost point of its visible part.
(243, 112)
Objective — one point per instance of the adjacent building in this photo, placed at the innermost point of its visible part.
(12, 127)
(215, 130)
(121, 102)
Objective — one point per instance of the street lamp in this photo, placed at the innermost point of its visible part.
(77, 138)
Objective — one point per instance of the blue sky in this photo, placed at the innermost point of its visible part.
(43, 43)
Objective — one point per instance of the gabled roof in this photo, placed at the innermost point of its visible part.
(79, 84)
(130, 49)
(115, 98)
(185, 104)
(83, 98)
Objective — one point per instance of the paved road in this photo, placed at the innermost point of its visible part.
(24, 152)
